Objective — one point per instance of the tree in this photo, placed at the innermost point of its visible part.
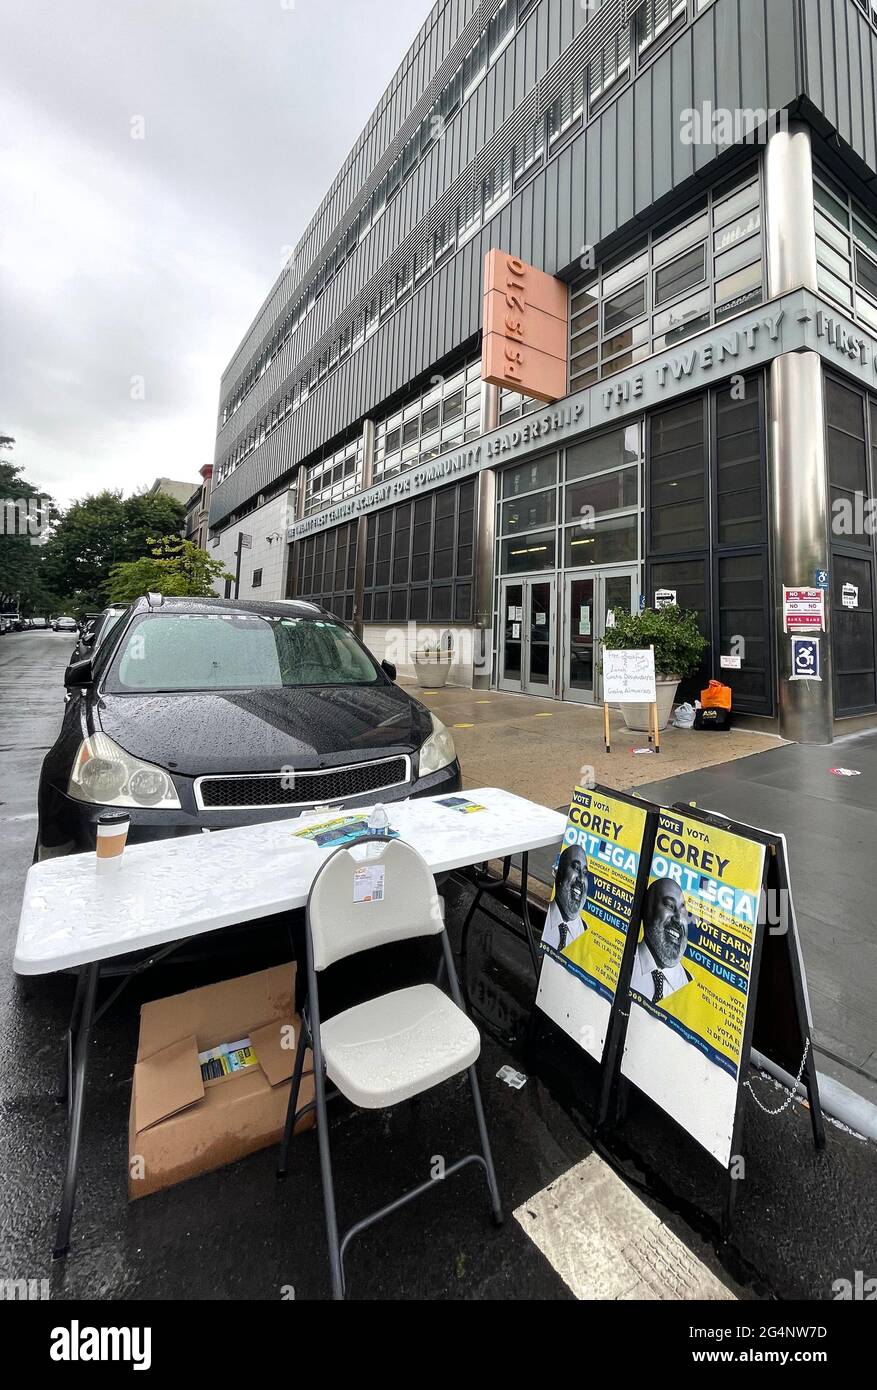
(25, 512)
(101, 531)
(174, 567)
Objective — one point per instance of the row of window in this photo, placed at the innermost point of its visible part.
(484, 52)
(700, 268)
(334, 477)
(654, 22)
(594, 497)
(846, 248)
(326, 572)
(434, 421)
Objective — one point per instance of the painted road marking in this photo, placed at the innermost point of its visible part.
(607, 1244)
(464, 726)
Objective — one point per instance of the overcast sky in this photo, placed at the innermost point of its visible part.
(132, 267)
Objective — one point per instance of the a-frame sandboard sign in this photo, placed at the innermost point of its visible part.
(716, 970)
(599, 887)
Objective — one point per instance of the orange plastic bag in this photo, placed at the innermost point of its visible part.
(716, 696)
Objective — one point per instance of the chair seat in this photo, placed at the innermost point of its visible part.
(395, 1046)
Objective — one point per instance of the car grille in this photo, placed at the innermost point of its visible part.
(307, 788)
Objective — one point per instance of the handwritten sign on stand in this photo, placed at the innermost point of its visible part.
(629, 679)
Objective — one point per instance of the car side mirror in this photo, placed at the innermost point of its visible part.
(78, 673)
(389, 669)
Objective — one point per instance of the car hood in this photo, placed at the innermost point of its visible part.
(264, 730)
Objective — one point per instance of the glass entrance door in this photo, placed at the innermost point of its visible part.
(591, 598)
(527, 651)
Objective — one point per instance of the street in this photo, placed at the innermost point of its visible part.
(803, 1219)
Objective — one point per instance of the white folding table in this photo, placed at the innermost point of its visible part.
(169, 891)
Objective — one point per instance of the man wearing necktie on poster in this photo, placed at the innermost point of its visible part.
(657, 968)
(563, 922)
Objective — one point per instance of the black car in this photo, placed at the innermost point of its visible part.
(209, 713)
(96, 629)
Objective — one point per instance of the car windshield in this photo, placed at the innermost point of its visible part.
(225, 651)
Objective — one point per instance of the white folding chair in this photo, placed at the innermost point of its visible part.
(391, 1048)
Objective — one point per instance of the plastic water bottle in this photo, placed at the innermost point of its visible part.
(378, 821)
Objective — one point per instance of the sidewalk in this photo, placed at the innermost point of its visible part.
(536, 747)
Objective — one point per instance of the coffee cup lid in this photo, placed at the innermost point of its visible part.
(113, 818)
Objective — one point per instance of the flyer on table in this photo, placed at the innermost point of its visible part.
(595, 878)
(694, 955)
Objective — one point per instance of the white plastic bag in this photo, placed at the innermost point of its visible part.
(684, 717)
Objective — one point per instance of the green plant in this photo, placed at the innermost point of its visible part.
(673, 632)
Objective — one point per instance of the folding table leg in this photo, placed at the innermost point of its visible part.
(70, 1037)
(77, 1109)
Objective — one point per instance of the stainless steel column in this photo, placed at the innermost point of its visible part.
(798, 466)
(791, 227)
(800, 512)
(485, 539)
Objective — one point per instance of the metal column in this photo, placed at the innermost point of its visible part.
(798, 465)
(485, 539)
(800, 511)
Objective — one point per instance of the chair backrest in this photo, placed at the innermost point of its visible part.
(358, 901)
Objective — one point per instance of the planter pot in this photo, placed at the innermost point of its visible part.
(431, 674)
(636, 717)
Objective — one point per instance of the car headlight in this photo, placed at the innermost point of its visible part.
(105, 775)
(438, 750)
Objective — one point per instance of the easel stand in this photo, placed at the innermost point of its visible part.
(654, 728)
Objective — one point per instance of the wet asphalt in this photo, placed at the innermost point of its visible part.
(803, 1219)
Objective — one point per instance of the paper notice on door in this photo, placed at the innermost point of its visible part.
(516, 632)
(585, 620)
(511, 617)
(368, 883)
(541, 619)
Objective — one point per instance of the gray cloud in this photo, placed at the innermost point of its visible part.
(132, 267)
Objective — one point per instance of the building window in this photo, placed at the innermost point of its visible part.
(420, 559)
(257, 579)
(588, 514)
(655, 23)
(608, 67)
(707, 532)
(333, 478)
(851, 447)
(846, 249)
(326, 572)
(434, 422)
(702, 267)
(566, 110)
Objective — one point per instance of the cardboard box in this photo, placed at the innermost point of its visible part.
(181, 1126)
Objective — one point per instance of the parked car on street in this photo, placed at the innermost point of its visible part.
(96, 629)
(65, 624)
(39, 623)
(209, 713)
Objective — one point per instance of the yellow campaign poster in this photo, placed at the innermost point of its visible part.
(589, 914)
(694, 953)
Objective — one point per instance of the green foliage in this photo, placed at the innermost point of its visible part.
(96, 533)
(673, 632)
(173, 567)
(21, 577)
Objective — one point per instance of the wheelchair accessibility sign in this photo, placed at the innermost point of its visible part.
(805, 659)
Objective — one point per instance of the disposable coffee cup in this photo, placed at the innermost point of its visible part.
(112, 832)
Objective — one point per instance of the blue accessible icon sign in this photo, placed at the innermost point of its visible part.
(805, 659)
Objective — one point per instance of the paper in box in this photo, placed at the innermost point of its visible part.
(179, 1126)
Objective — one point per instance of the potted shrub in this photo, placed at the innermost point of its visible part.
(432, 663)
(679, 650)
